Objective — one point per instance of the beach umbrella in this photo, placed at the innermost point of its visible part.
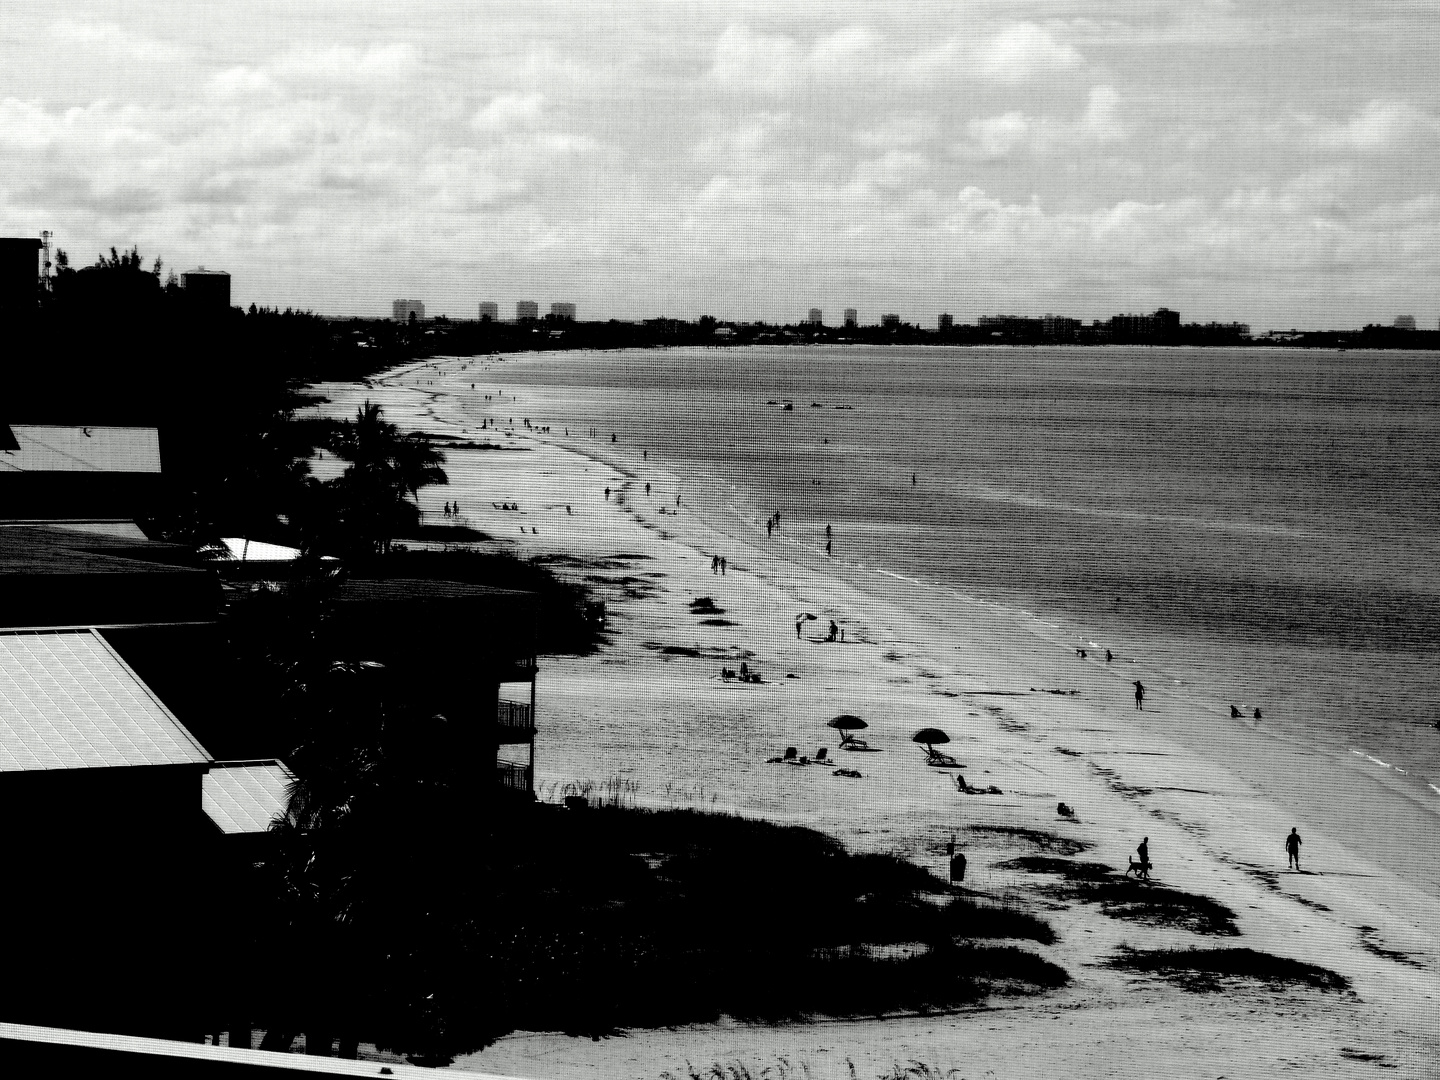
(807, 616)
(846, 722)
(930, 736)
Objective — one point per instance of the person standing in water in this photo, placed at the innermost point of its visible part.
(1292, 849)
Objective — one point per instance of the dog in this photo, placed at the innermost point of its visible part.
(1139, 869)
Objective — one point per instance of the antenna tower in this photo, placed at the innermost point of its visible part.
(45, 259)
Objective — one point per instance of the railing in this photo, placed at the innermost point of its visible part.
(513, 776)
(515, 716)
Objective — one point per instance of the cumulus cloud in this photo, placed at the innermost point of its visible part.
(993, 137)
(1025, 50)
(1380, 126)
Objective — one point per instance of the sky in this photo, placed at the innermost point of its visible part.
(1273, 163)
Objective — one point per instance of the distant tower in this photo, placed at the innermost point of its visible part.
(562, 312)
(890, 322)
(489, 311)
(816, 318)
(852, 317)
(45, 263)
(403, 309)
(1404, 322)
(526, 310)
(947, 321)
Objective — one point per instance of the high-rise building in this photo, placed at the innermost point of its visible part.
(816, 317)
(890, 322)
(526, 309)
(489, 311)
(562, 312)
(1404, 322)
(852, 317)
(947, 321)
(402, 310)
(207, 289)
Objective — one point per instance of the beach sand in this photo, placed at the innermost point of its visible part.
(651, 714)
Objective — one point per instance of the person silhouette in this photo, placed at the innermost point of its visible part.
(1139, 695)
(1292, 849)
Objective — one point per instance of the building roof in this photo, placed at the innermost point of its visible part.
(246, 796)
(51, 448)
(67, 701)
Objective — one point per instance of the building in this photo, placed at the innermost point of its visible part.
(423, 632)
(1404, 322)
(890, 322)
(405, 310)
(526, 310)
(815, 318)
(562, 312)
(489, 311)
(52, 472)
(19, 276)
(207, 290)
(947, 321)
(852, 317)
(1059, 327)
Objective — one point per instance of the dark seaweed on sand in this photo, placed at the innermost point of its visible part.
(1127, 898)
(1208, 970)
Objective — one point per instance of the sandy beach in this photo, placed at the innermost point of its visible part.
(651, 718)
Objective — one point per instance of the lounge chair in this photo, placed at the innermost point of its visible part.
(820, 755)
(850, 742)
(788, 759)
(941, 761)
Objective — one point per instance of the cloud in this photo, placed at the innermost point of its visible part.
(1380, 126)
(994, 137)
(775, 65)
(507, 112)
(1023, 51)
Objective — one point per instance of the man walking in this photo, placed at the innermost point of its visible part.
(1139, 695)
(1292, 849)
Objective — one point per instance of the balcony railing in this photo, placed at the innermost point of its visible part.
(515, 718)
(513, 776)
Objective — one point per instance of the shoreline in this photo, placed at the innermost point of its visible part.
(971, 672)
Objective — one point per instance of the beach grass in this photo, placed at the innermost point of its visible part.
(684, 917)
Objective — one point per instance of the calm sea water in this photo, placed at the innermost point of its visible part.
(1260, 524)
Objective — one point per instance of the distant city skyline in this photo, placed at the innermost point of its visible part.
(745, 160)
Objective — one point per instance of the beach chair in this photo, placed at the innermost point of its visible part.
(940, 760)
(790, 753)
(820, 754)
(850, 742)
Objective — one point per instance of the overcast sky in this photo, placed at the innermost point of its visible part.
(1270, 162)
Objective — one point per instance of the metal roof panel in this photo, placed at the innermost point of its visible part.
(68, 701)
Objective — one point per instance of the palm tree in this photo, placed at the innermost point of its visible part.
(386, 472)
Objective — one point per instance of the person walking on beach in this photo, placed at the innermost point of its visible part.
(1292, 849)
(1139, 695)
(798, 624)
(714, 564)
(607, 494)
(1144, 852)
(722, 565)
(647, 489)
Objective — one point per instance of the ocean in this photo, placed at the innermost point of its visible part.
(1258, 526)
